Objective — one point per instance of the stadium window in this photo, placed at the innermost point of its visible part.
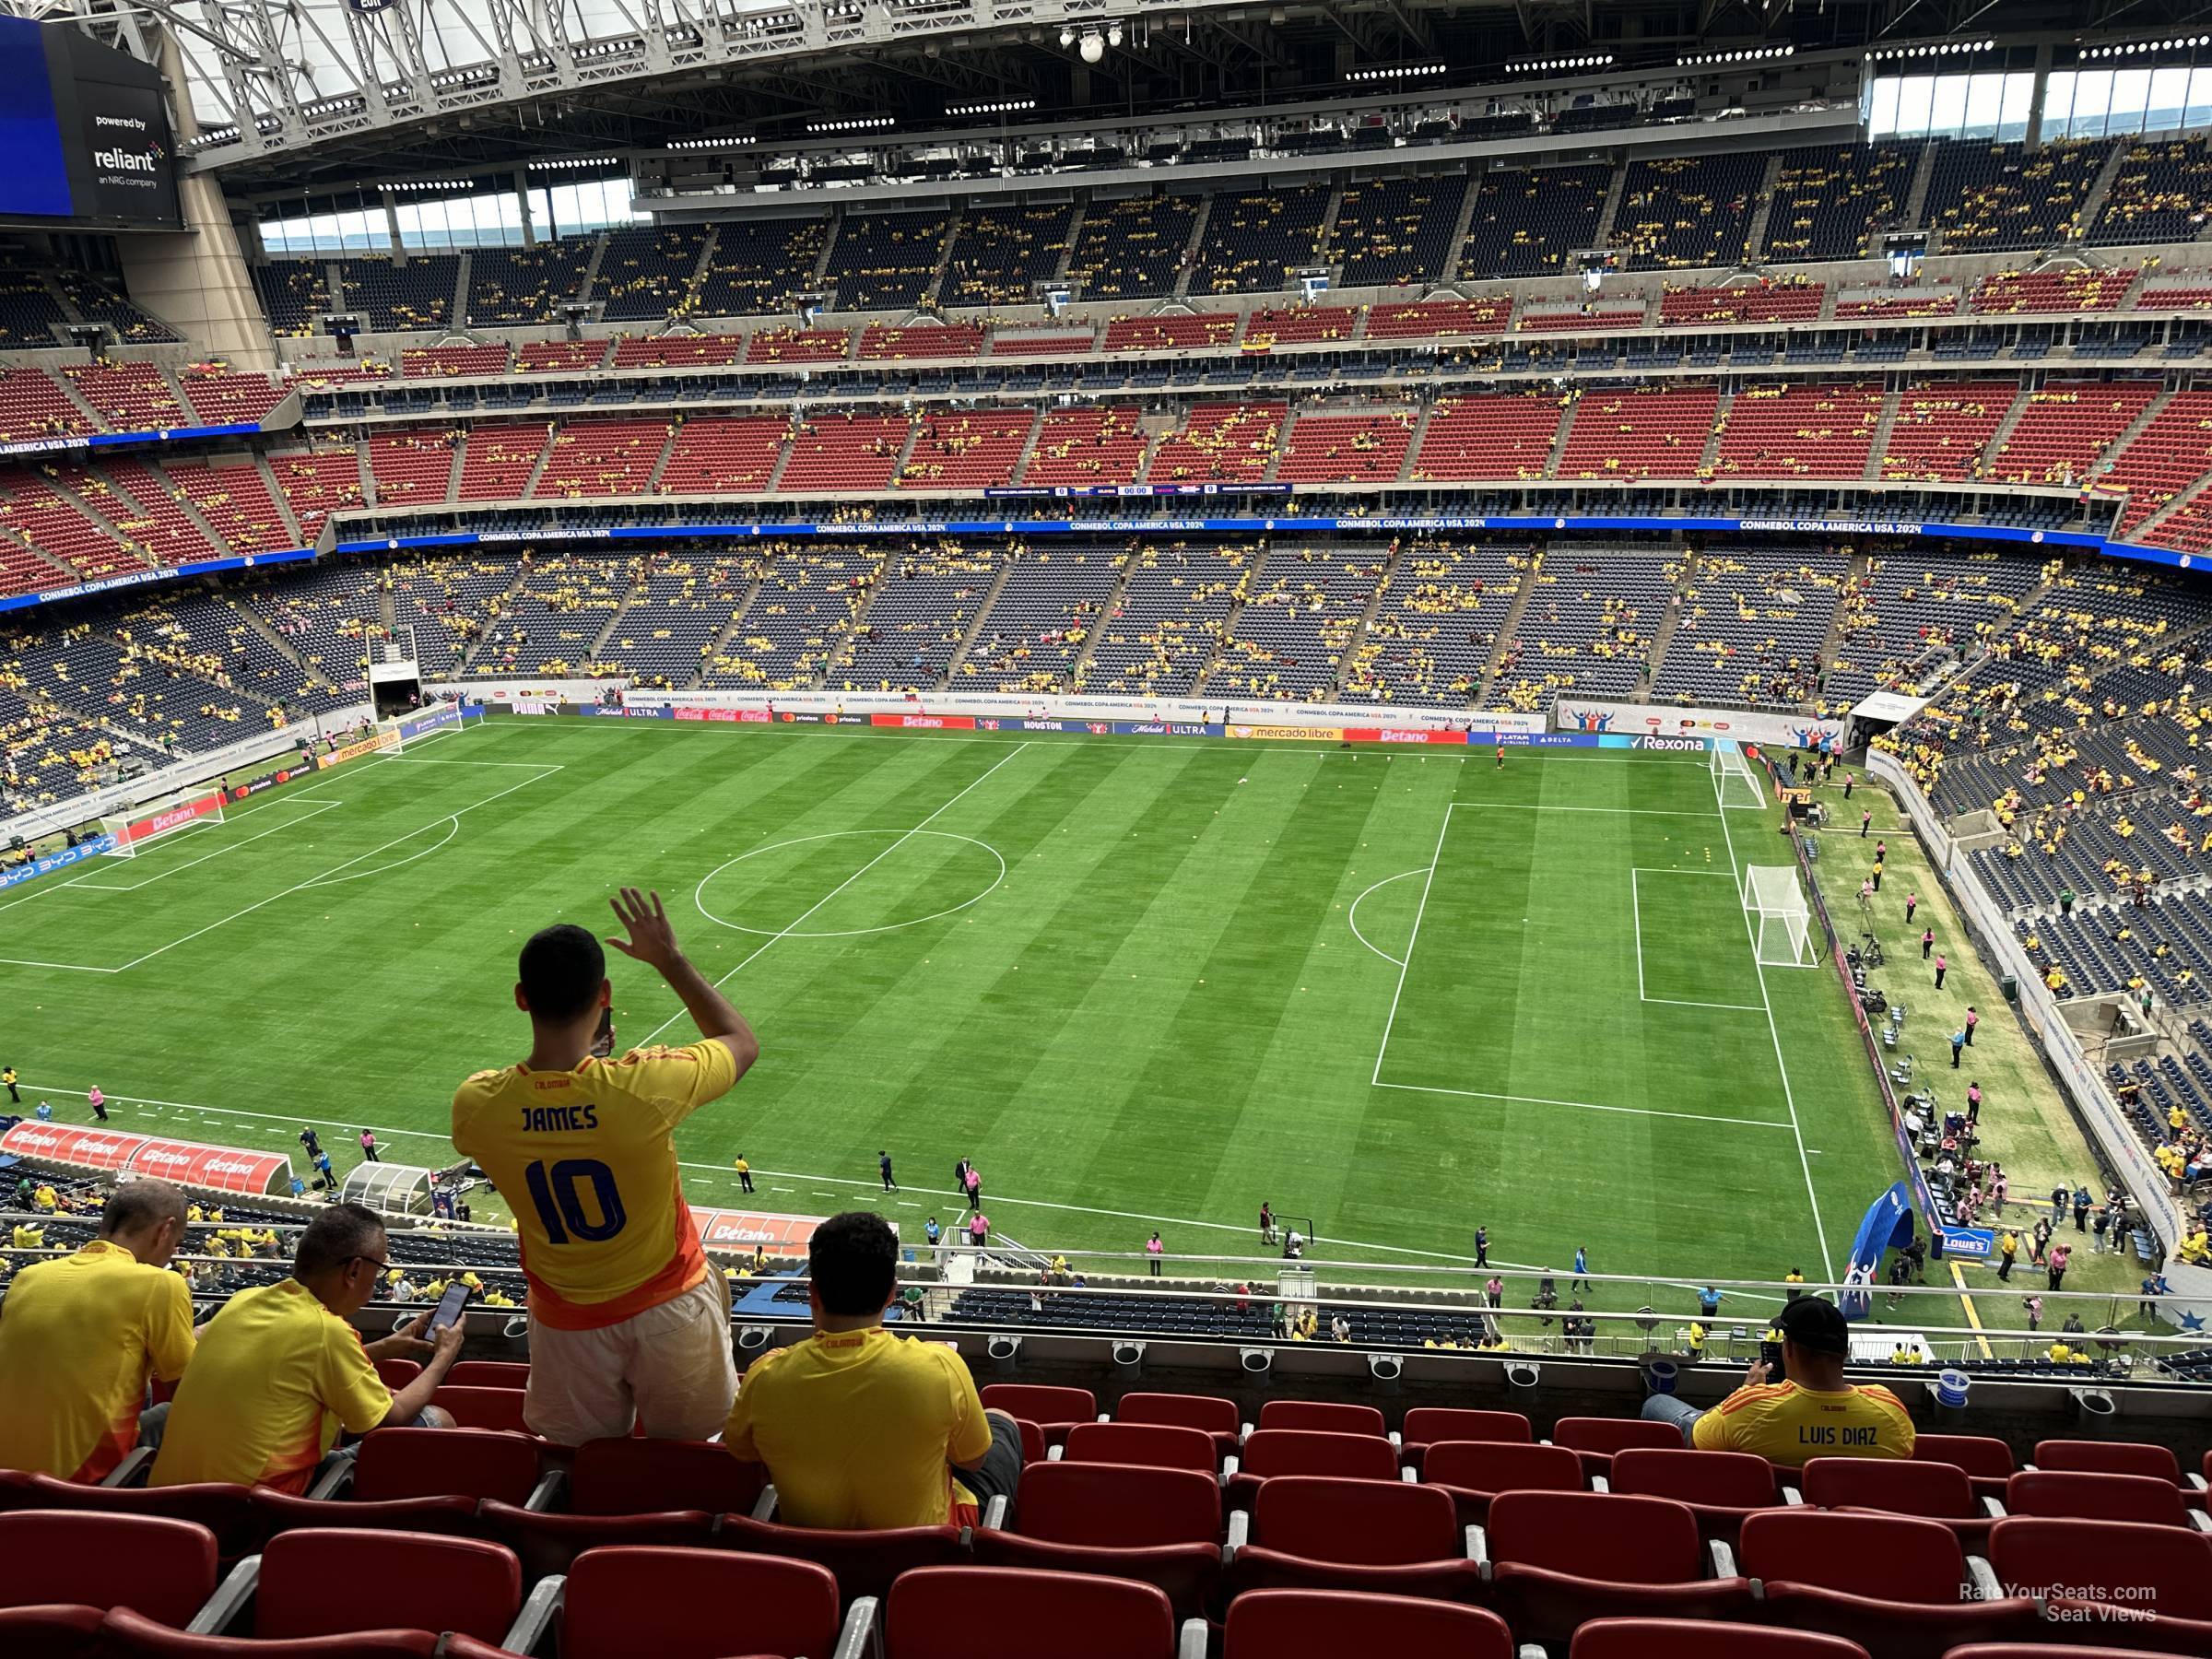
(2092, 103)
(1913, 101)
(2131, 101)
(1984, 106)
(2019, 98)
(1881, 108)
(2169, 107)
(2058, 102)
(1946, 109)
(2199, 114)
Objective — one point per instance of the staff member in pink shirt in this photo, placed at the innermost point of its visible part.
(1154, 1250)
(97, 1101)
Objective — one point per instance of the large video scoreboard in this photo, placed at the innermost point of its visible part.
(84, 136)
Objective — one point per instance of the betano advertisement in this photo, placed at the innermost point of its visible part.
(188, 1163)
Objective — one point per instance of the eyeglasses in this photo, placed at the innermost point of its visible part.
(379, 1263)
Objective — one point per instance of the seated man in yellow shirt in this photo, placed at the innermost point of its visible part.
(861, 1429)
(280, 1371)
(80, 1335)
(1814, 1414)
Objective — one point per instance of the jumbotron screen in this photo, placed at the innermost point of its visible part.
(84, 138)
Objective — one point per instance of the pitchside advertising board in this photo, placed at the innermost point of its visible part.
(83, 136)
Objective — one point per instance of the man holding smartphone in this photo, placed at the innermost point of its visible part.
(627, 1325)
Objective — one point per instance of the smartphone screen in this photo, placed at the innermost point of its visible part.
(1769, 1354)
(450, 1305)
(602, 1040)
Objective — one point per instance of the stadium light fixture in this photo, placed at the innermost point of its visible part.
(1931, 49)
(1012, 106)
(1751, 55)
(2131, 48)
(1094, 48)
(1388, 71)
(1597, 60)
(734, 141)
(860, 123)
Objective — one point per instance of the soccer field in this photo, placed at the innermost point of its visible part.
(1142, 983)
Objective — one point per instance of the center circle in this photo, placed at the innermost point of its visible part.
(952, 863)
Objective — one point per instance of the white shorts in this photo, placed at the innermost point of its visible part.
(669, 1368)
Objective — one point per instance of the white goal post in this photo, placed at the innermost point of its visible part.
(1736, 780)
(1783, 921)
(162, 812)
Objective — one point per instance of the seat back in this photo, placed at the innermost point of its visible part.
(488, 1373)
(1982, 1456)
(1150, 1445)
(1503, 1466)
(58, 1631)
(224, 1510)
(328, 1581)
(1037, 1403)
(2109, 1457)
(1326, 1624)
(430, 1463)
(2163, 1569)
(1317, 1413)
(484, 1407)
(630, 1476)
(1625, 1539)
(1736, 1479)
(1892, 1558)
(1117, 1506)
(1426, 1425)
(1271, 1451)
(2055, 1492)
(1610, 1435)
(124, 1632)
(1006, 1613)
(1214, 1415)
(1937, 1489)
(152, 1564)
(864, 1562)
(395, 1375)
(1712, 1638)
(1356, 1522)
(695, 1604)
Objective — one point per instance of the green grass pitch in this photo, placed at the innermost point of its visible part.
(1143, 982)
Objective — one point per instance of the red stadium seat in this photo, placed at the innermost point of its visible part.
(548, 1542)
(330, 1581)
(1323, 1415)
(1474, 1471)
(483, 1407)
(1596, 1439)
(488, 1373)
(1723, 1487)
(984, 1612)
(395, 1375)
(1151, 1445)
(1931, 1491)
(51, 1631)
(627, 1477)
(695, 1604)
(864, 1562)
(424, 1463)
(224, 1509)
(1055, 1410)
(1559, 1559)
(2052, 1492)
(2110, 1457)
(1309, 1532)
(1426, 1425)
(2132, 1584)
(1706, 1639)
(1988, 1462)
(1268, 1452)
(1328, 1624)
(152, 1564)
(1158, 1526)
(1033, 1448)
(1216, 1417)
(1889, 1581)
(125, 1633)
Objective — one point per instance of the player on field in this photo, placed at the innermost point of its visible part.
(1501, 757)
(627, 1325)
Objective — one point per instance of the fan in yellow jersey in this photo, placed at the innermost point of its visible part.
(627, 1325)
(79, 1336)
(1814, 1414)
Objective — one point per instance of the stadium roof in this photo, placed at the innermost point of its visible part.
(310, 91)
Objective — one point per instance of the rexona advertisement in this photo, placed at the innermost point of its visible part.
(83, 131)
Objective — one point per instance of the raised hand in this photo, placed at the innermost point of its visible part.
(652, 939)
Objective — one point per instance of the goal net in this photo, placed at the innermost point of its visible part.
(1781, 920)
(143, 822)
(1736, 779)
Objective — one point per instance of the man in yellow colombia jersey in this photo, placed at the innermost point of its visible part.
(626, 1322)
